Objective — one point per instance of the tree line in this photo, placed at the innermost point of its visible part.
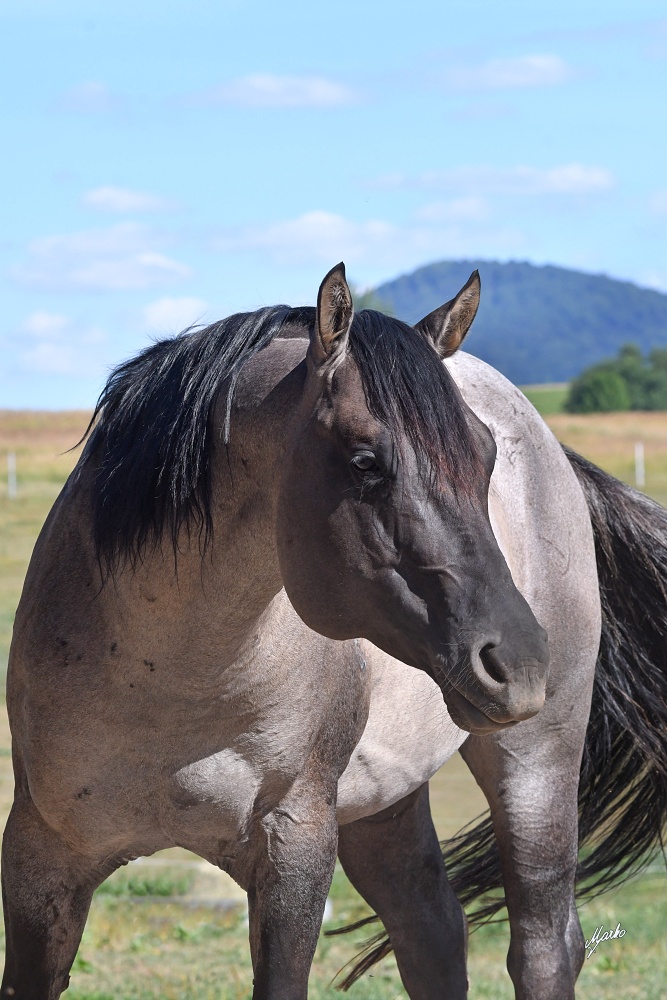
(630, 381)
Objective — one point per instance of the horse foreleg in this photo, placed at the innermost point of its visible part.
(293, 863)
(532, 792)
(394, 860)
(46, 893)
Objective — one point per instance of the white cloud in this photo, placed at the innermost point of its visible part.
(657, 47)
(469, 208)
(315, 234)
(170, 315)
(569, 179)
(115, 258)
(90, 98)
(58, 359)
(115, 199)
(658, 203)
(45, 324)
(324, 237)
(519, 72)
(142, 270)
(654, 278)
(482, 108)
(268, 90)
(54, 344)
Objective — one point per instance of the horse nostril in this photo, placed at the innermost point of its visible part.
(490, 664)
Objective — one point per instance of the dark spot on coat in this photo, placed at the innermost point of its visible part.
(84, 793)
(149, 664)
(62, 642)
(114, 647)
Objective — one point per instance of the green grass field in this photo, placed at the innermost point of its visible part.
(547, 399)
(173, 928)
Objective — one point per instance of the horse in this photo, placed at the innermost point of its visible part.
(185, 666)
(333, 456)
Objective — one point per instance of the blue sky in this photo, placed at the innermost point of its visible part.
(170, 162)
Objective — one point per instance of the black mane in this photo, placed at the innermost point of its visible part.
(151, 438)
(151, 430)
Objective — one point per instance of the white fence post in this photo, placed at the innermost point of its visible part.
(12, 487)
(640, 473)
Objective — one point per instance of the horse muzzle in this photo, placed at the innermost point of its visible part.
(501, 685)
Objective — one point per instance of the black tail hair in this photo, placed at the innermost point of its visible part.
(623, 779)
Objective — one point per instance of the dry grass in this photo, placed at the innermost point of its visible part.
(41, 441)
(609, 439)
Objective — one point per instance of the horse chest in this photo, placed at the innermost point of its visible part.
(213, 797)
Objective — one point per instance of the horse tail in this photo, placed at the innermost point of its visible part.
(623, 781)
(623, 777)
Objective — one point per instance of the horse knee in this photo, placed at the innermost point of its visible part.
(574, 940)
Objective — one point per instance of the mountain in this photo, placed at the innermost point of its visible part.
(537, 324)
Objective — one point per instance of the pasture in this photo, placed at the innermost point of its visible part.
(171, 927)
(548, 398)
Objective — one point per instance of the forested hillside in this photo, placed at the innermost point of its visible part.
(537, 324)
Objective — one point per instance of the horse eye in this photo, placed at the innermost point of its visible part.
(364, 461)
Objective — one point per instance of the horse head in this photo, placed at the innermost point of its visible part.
(383, 524)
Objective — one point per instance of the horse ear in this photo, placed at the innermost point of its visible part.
(446, 326)
(334, 317)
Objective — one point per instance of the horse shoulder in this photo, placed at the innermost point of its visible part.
(408, 736)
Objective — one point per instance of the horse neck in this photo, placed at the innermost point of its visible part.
(242, 568)
(530, 471)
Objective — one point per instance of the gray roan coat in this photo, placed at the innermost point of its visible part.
(257, 503)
